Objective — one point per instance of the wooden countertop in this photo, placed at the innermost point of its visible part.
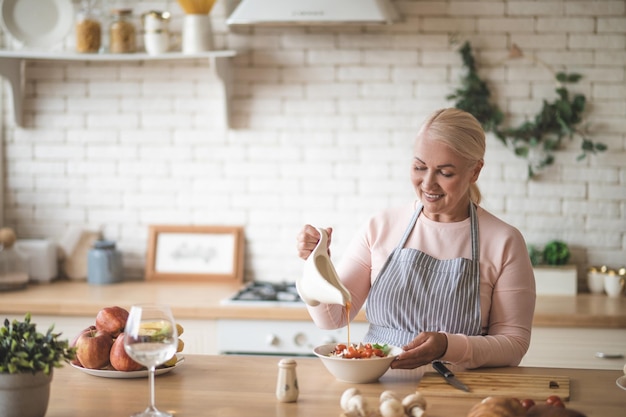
(241, 386)
(203, 301)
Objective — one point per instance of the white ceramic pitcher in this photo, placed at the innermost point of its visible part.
(319, 282)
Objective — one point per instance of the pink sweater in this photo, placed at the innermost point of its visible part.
(507, 282)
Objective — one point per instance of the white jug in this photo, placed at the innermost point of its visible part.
(319, 282)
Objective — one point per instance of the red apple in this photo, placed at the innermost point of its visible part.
(112, 320)
(75, 361)
(120, 359)
(93, 348)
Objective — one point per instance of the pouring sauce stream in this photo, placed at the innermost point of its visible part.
(348, 305)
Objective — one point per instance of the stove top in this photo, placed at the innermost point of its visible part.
(266, 294)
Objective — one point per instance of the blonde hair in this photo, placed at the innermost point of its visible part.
(460, 131)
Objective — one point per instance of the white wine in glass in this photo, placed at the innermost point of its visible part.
(151, 339)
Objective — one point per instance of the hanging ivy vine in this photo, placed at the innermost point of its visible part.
(537, 139)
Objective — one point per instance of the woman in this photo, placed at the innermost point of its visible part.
(443, 278)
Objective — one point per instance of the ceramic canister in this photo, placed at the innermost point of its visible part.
(595, 279)
(614, 284)
(156, 35)
(197, 33)
(104, 263)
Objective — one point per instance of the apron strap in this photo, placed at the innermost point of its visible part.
(474, 233)
(473, 230)
(411, 225)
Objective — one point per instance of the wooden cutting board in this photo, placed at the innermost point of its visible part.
(536, 387)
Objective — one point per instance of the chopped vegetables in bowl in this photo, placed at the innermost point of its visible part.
(360, 351)
(357, 363)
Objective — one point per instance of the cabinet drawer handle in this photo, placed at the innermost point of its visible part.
(603, 355)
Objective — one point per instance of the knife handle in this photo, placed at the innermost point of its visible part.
(442, 369)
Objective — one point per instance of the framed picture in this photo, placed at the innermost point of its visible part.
(195, 253)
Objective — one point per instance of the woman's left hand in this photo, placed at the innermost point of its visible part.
(422, 350)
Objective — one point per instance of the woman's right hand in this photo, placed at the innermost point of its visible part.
(307, 240)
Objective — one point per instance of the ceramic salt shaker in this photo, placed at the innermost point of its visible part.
(287, 385)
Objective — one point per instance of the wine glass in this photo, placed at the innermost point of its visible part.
(150, 339)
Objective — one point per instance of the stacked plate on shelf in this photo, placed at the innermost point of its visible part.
(37, 24)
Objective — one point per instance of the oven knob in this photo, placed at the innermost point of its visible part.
(272, 340)
(300, 339)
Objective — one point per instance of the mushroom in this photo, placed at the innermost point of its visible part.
(388, 395)
(414, 404)
(391, 407)
(357, 404)
(417, 412)
(347, 394)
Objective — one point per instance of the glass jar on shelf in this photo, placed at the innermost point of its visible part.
(88, 28)
(122, 33)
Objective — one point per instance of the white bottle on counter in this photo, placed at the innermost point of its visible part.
(287, 385)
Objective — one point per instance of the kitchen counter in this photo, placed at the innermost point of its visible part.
(187, 300)
(203, 301)
(241, 386)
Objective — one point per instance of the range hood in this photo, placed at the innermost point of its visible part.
(313, 12)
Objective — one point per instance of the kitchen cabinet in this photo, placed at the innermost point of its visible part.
(575, 348)
(280, 336)
(13, 63)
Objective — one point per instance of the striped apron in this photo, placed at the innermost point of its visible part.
(415, 292)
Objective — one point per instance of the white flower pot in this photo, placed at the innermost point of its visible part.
(556, 280)
(24, 394)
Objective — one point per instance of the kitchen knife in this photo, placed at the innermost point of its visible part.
(449, 376)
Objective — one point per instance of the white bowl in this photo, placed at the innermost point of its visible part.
(355, 371)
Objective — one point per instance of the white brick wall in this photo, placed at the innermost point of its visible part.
(322, 130)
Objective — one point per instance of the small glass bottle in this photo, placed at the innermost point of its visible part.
(287, 384)
(88, 28)
(122, 33)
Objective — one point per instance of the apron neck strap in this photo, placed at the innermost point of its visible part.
(473, 229)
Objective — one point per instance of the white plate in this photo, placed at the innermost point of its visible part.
(126, 375)
(38, 23)
(621, 382)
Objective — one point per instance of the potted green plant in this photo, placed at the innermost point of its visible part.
(27, 361)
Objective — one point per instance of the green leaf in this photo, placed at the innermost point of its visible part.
(521, 151)
(385, 348)
(587, 145)
(578, 104)
(561, 77)
(562, 93)
(574, 78)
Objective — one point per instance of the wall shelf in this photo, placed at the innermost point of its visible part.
(12, 65)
